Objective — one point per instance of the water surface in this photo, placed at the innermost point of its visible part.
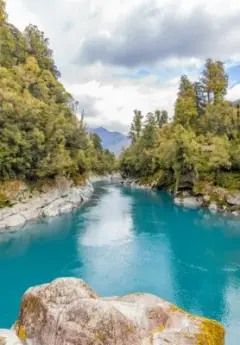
(126, 240)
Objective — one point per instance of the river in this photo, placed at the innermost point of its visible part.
(125, 240)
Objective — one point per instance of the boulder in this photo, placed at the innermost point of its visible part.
(12, 221)
(213, 207)
(234, 199)
(189, 202)
(68, 311)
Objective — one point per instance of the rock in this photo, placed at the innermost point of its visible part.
(189, 202)
(206, 198)
(13, 221)
(56, 201)
(213, 207)
(68, 311)
(234, 199)
(8, 337)
(235, 213)
(116, 177)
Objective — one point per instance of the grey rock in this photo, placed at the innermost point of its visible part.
(213, 207)
(12, 221)
(234, 199)
(68, 311)
(188, 202)
(50, 204)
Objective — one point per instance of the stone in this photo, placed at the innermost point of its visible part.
(9, 337)
(15, 220)
(206, 198)
(68, 311)
(49, 204)
(235, 213)
(213, 206)
(189, 202)
(234, 199)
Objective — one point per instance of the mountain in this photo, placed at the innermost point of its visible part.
(113, 141)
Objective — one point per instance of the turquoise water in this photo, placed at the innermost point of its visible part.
(125, 241)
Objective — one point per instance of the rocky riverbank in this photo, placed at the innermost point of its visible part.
(23, 203)
(68, 311)
(202, 195)
(211, 197)
(52, 200)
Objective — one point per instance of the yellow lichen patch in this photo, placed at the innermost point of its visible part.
(22, 334)
(212, 333)
(158, 329)
(175, 308)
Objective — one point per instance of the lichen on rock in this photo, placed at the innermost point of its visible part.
(68, 311)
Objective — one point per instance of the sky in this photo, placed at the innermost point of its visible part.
(119, 55)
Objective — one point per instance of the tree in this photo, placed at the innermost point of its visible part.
(185, 106)
(200, 98)
(41, 135)
(136, 126)
(214, 81)
(3, 15)
(161, 117)
(97, 141)
(149, 131)
(38, 45)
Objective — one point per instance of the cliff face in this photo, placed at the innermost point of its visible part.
(68, 311)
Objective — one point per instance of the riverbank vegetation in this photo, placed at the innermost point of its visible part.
(200, 144)
(41, 135)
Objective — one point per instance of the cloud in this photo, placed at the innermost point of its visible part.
(149, 35)
(115, 102)
(234, 93)
(116, 56)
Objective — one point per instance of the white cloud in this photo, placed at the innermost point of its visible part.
(115, 103)
(234, 93)
(110, 98)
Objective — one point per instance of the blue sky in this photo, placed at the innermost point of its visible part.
(119, 55)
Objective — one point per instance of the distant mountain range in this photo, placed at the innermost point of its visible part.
(113, 141)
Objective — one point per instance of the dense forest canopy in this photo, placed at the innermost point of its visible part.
(202, 142)
(40, 133)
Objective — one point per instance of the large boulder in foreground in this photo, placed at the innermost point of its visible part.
(68, 312)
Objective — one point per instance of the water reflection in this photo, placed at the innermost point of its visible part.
(110, 222)
(127, 240)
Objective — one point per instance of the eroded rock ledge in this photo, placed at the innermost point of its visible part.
(51, 201)
(68, 311)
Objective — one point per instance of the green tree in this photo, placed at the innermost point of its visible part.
(214, 81)
(136, 126)
(161, 117)
(185, 106)
(38, 45)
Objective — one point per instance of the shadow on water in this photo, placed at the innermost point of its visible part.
(125, 240)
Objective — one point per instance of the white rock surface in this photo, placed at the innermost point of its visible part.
(108, 178)
(213, 207)
(234, 199)
(8, 337)
(188, 202)
(49, 204)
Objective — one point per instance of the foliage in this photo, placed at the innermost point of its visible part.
(202, 142)
(41, 136)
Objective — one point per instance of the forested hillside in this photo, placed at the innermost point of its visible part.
(41, 136)
(201, 143)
